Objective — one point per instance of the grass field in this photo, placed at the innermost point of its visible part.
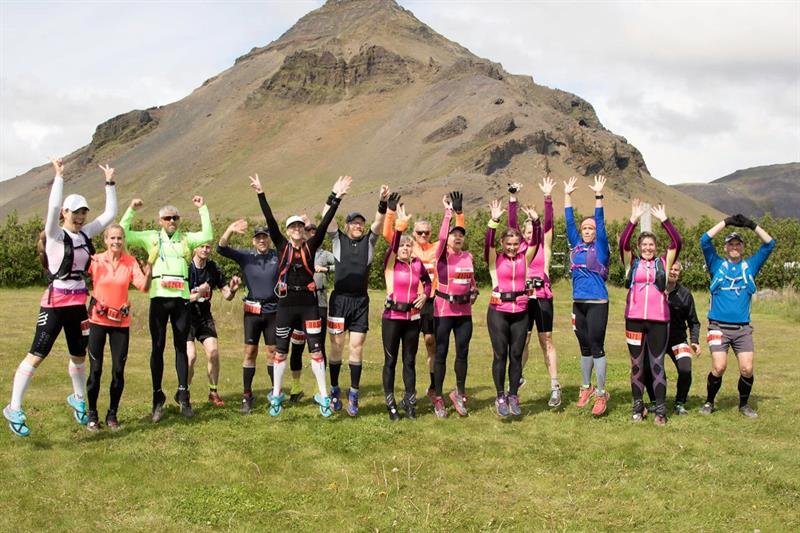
(552, 470)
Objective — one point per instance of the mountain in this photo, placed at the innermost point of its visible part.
(773, 189)
(357, 87)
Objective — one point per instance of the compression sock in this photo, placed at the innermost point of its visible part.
(279, 367)
(714, 384)
(318, 369)
(78, 375)
(586, 370)
(22, 378)
(600, 373)
(745, 386)
(355, 375)
(336, 367)
(271, 372)
(248, 373)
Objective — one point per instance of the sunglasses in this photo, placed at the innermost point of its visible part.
(171, 218)
(422, 232)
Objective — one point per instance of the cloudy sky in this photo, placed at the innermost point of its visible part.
(702, 89)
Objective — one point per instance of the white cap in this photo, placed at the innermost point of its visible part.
(73, 202)
(293, 219)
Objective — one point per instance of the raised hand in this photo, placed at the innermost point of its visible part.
(136, 204)
(58, 166)
(570, 186)
(383, 195)
(530, 212)
(393, 200)
(235, 283)
(108, 171)
(637, 210)
(238, 227)
(457, 201)
(198, 201)
(547, 185)
(599, 183)
(402, 216)
(659, 211)
(342, 185)
(306, 220)
(255, 184)
(447, 202)
(496, 209)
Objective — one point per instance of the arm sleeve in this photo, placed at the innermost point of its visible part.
(388, 225)
(206, 233)
(572, 231)
(106, 217)
(444, 230)
(694, 323)
(625, 244)
(51, 228)
(316, 241)
(134, 238)
(548, 214)
(230, 253)
(460, 220)
(512, 215)
(488, 242)
(760, 257)
(603, 251)
(393, 247)
(272, 224)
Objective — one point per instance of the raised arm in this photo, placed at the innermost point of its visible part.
(339, 191)
(532, 246)
(674, 248)
(274, 228)
(573, 236)
(457, 200)
(380, 214)
(206, 233)
(546, 186)
(51, 226)
(135, 238)
(513, 189)
(489, 252)
(388, 221)
(603, 251)
(222, 246)
(625, 252)
(333, 227)
(444, 229)
(107, 216)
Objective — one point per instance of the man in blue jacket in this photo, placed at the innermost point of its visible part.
(732, 287)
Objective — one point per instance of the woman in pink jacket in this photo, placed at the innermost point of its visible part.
(507, 317)
(647, 309)
(401, 316)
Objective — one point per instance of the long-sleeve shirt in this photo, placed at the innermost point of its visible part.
(110, 284)
(730, 299)
(455, 274)
(682, 314)
(540, 264)
(587, 284)
(169, 254)
(54, 246)
(260, 273)
(509, 274)
(403, 280)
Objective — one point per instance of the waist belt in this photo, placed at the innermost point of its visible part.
(511, 296)
(730, 326)
(299, 288)
(402, 307)
(71, 291)
(454, 298)
(170, 276)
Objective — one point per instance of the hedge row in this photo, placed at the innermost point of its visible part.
(19, 263)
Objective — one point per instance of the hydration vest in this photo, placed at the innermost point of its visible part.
(592, 264)
(661, 274)
(65, 269)
(721, 281)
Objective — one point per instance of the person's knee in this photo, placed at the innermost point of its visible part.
(78, 359)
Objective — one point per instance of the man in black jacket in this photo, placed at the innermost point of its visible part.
(680, 349)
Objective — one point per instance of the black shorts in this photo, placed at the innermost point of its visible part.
(202, 326)
(540, 313)
(256, 326)
(75, 321)
(303, 318)
(426, 318)
(348, 313)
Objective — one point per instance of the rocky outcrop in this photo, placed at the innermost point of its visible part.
(452, 128)
(498, 127)
(317, 77)
(122, 129)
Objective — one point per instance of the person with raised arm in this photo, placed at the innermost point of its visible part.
(348, 311)
(296, 291)
(733, 284)
(259, 267)
(647, 313)
(589, 258)
(507, 316)
(67, 253)
(169, 251)
(401, 316)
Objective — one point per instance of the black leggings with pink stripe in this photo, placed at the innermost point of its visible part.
(648, 339)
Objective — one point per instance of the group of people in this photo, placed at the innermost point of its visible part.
(430, 289)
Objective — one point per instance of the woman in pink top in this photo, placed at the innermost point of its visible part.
(63, 306)
(507, 316)
(647, 309)
(540, 299)
(452, 310)
(113, 271)
(401, 317)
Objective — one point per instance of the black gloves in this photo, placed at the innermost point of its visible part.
(740, 221)
(394, 198)
(458, 201)
(512, 188)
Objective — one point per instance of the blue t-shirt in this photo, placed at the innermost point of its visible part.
(730, 303)
(260, 272)
(588, 285)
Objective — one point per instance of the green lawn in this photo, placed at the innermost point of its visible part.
(552, 470)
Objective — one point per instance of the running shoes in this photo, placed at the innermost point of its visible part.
(352, 403)
(707, 408)
(336, 401)
(410, 407)
(94, 422)
(214, 399)
(439, 408)
(600, 404)
(459, 402)
(585, 395)
(747, 411)
(275, 403)
(158, 405)
(501, 406)
(513, 405)
(325, 403)
(247, 403)
(182, 398)
(639, 411)
(78, 409)
(680, 410)
(555, 398)
(17, 422)
(111, 420)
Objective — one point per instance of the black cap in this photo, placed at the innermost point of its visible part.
(733, 236)
(354, 215)
(457, 228)
(261, 230)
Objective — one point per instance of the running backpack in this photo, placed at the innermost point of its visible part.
(721, 281)
(65, 269)
(592, 264)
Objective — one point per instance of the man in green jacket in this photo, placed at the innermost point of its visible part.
(169, 251)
